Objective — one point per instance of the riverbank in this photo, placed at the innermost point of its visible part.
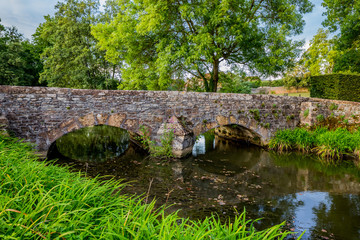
(331, 145)
(41, 201)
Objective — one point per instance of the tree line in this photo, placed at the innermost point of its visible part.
(159, 45)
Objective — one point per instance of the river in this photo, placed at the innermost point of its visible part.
(224, 178)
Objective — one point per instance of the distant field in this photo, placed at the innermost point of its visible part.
(307, 94)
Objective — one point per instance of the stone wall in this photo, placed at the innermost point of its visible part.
(42, 115)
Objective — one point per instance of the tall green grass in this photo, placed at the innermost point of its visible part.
(42, 201)
(330, 145)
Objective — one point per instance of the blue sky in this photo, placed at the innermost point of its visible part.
(26, 15)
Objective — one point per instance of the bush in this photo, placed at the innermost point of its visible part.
(336, 86)
(238, 87)
(272, 83)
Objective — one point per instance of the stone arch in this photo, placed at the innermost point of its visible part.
(250, 130)
(92, 119)
(239, 133)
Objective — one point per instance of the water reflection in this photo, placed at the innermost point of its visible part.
(223, 177)
(96, 143)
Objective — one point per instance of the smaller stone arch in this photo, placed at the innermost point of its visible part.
(247, 129)
(238, 132)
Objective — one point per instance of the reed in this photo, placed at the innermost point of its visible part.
(39, 200)
(330, 145)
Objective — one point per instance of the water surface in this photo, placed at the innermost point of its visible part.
(223, 178)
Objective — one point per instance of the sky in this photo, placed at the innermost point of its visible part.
(26, 15)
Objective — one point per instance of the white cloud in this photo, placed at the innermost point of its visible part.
(26, 15)
(313, 22)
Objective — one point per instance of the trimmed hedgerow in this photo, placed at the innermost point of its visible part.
(336, 86)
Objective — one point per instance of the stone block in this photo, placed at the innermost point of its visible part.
(221, 120)
(101, 118)
(117, 119)
(88, 120)
(131, 125)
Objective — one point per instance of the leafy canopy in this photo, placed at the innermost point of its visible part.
(71, 58)
(318, 59)
(343, 17)
(19, 59)
(159, 41)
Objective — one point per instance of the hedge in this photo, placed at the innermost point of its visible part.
(336, 86)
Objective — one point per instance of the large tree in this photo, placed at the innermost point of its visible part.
(159, 41)
(343, 18)
(318, 59)
(71, 58)
(19, 59)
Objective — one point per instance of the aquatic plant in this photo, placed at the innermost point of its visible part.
(330, 145)
(39, 200)
(162, 150)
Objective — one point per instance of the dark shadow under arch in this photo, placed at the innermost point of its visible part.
(90, 141)
(240, 133)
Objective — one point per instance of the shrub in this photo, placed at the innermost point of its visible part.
(336, 86)
(164, 150)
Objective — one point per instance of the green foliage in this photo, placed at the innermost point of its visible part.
(164, 150)
(342, 17)
(41, 201)
(336, 86)
(229, 83)
(320, 118)
(319, 57)
(255, 113)
(290, 117)
(289, 139)
(333, 107)
(331, 146)
(19, 59)
(159, 41)
(272, 83)
(298, 76)
(85, 144)
(306, 113)
(71, 58)
(238, 87)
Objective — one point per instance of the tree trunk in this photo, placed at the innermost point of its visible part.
(215, 77)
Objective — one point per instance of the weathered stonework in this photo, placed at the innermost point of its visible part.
(4, 124)
(41, 115)
(239, 133)
(183, 140)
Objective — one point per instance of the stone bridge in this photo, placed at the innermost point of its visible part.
(41, 115)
